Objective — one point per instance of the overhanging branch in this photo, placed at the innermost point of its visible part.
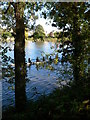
(7, 8)
(11, 3)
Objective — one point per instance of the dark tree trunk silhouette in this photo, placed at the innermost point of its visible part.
(19, 56)
(78, 52)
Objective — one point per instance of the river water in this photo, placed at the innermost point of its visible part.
(41, 81)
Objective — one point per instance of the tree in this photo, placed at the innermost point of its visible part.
(72, 18)
(39, 32)
(6, 34)
(26, 33)
(13, 15)
(57, 34)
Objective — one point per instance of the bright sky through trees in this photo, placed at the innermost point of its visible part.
(47, 27)
(46, 23)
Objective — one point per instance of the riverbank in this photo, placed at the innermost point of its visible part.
(72, 103)
(48, 39)
(33, 40)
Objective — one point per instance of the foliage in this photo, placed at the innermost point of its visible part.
(69, 102)
(5, 35)
(72, 19)
(39, 32)
(56, 34)
(65, 103)
(8, 17)
(26, 34)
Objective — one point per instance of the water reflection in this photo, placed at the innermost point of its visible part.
(34, 49)
(38, 82)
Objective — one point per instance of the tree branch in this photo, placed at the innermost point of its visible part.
(7, 8)
(11, 3)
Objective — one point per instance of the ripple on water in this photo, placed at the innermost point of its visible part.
(39, 82)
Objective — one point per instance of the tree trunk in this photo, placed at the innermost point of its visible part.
(19, 56)
(78, 48)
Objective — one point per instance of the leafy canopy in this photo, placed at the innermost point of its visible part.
(39, 32)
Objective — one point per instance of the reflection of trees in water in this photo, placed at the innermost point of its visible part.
(64, 73)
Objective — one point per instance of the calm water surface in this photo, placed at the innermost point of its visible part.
(40, 81)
